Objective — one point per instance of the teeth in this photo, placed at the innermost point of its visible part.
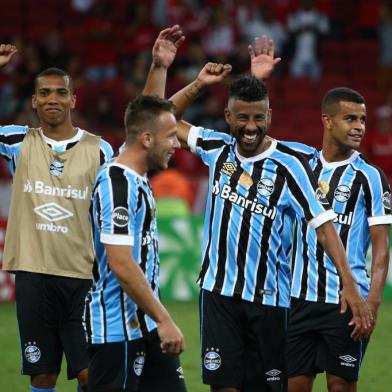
(250, 137)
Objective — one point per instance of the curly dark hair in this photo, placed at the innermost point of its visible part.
(247, 88)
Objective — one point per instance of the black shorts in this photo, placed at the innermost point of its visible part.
(162, 372)
(242, 343)
(49, 311)
(116, 366)
(319, 340)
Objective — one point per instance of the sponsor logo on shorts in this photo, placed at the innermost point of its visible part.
(212, 359)
(120, 216)
(348, 360)
(386, 200)
(342, 193)
(273, 375)
(180, 372)
(52, 212)
(32, 353)
(56, 168)
(138, 363)
(265, 186)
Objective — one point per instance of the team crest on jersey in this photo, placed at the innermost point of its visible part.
(32, 353)
(342, 193)
(212, 359)
(228, 168)
(386, 200)
(245, 179)
(56, 168)
(120, 216)
(265, 186)
(138, 363)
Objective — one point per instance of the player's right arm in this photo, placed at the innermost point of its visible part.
(135, 284)
(6, 53)
(210, 74)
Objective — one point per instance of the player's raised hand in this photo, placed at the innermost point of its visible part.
(262, 61)
(213, 73)
(166, 45)
(362, 318)
(172, 339)
(6, 52)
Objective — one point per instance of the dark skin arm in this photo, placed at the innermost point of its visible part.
(362, 317)
(380, 259)
(6, 53)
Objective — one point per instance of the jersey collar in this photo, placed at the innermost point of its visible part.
(351, 159)
(258, 157)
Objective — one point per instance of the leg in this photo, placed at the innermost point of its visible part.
(222, 331)
(301, 383)
(82, 379)
(338, 384)
(40, 344)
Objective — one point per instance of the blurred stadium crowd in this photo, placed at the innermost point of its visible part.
(105, 46)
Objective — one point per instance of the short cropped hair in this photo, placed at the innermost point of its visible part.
(249, 89)
(333, 97)
(54, 72)
(142, 112)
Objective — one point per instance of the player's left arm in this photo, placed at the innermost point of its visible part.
(379, 268)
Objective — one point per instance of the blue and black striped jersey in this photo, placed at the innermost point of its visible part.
(122, 213)
(11, 139)
(251, 207)
(360, 196)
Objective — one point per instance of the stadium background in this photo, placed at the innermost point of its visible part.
(105, 46)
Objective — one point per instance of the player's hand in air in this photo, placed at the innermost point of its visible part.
(172, 339)
(362, 319)
(262, 61)
(6, 53)
(166, 45)
(213, 73)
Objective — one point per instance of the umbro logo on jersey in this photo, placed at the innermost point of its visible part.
(348, 360)
(52, 212)
(342, 193)
(228, 168)
(273, 375)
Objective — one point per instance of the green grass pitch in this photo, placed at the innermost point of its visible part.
(375, 373)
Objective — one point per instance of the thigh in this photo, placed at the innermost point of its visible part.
(162, 372)
(222, 332)
(303, 341)
(343, 355)
(116, 366)
(40, 343)
(71, 330)
(268, 329)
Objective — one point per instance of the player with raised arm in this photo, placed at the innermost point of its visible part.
(130, 333)
(257, 186)
(320, 337)
(48, 237)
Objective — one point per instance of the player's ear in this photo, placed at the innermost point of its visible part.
(326, 120)
(269, 118)
(227, 115)
(146, 139)
(73, 101)
(34, 101)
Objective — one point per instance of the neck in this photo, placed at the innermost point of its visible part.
(333, 152)
(133, 158)
(59, 132)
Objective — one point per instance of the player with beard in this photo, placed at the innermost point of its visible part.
(257, 186)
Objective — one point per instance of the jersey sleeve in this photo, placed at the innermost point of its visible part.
(116, 208)
(204, 142)
(307, 151)
(377, 194)
(11, 137)
(307, 200)
(106, 152)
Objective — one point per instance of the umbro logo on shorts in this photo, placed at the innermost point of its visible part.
(273, 375)
(348, 360)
